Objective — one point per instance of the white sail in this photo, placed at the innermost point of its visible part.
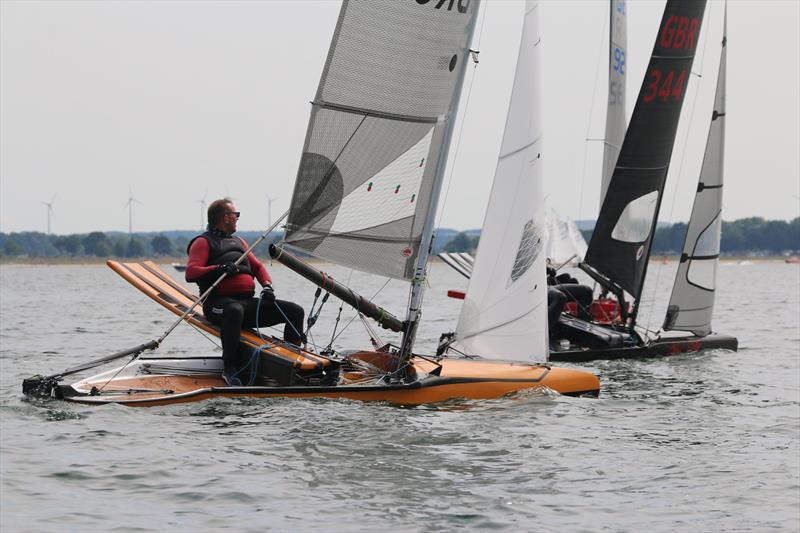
(615, 112)
(564, 241)
(504, 311)
(692, 302)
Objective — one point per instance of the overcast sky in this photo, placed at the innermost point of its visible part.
(185, 100)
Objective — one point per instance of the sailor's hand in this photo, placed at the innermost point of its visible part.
(267, 293)
(227, 269)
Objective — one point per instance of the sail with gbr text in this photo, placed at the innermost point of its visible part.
(620, 246)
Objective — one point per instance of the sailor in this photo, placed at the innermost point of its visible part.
(571, 290)
(232, 305)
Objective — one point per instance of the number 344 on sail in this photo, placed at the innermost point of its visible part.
(665, 86)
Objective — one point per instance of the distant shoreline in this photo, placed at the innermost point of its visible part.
(89, 261)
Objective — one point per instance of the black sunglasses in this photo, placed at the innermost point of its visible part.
(237, 213)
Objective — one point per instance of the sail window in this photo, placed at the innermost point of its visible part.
(636, 219)
(528, 251)
(702, 273)
(708, 241)
(702, 270)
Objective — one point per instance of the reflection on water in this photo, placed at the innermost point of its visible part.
(691, 442)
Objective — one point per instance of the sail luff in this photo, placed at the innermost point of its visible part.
(621, 243)
(616, 120)
(691, 304)
(504, 310)
(418, 282)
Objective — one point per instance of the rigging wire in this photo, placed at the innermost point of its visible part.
(206, 336)
(695, 98)
(449, 179)
(339, 315)
(358, 313)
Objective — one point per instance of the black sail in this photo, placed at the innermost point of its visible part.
(620, 245)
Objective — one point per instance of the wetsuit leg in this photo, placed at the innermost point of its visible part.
(228, 313)
(581, 294)
(272, 313)
(556, 300)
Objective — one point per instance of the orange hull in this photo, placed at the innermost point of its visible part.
(460, 378)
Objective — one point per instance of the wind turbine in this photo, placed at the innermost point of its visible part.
(202, 210)
(49, 212)
(129, 205)
(270, 199)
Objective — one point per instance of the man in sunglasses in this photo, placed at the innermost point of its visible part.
(231, 305)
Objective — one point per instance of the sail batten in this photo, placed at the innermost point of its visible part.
(691, 304)
(621, 242)
(377, 133)
(504, 310)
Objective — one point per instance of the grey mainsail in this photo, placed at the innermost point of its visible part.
(692, 302)
(379, 128)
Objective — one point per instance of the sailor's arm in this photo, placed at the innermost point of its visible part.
(259, 271)
(196, 266)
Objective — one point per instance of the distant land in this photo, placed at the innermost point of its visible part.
(753, 236)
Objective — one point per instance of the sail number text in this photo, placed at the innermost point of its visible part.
(461, 5)
(664, 85)
(619, 60)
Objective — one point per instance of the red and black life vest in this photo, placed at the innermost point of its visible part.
(222, 248)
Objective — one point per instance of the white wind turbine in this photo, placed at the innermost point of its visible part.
(49, 212)
(270, 199)
(129, 205)
(202, 210)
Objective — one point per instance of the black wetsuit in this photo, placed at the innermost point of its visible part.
(562, 289)
(234, 312)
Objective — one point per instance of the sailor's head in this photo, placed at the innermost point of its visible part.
(222, 215)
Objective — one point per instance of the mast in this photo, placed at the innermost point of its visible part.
(414, 310)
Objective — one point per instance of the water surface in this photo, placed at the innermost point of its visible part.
(691, 443)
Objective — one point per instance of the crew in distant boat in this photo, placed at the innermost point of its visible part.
(571, 291)
(232, 304)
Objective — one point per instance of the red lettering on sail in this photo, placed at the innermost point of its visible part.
(690, 39)
(655, 77)
(664, 84)
(680, 86)
(679, 33)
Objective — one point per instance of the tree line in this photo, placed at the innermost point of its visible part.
(740, 237)
(753, 235)
(105, 245)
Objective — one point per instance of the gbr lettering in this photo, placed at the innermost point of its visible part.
(679, 33)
